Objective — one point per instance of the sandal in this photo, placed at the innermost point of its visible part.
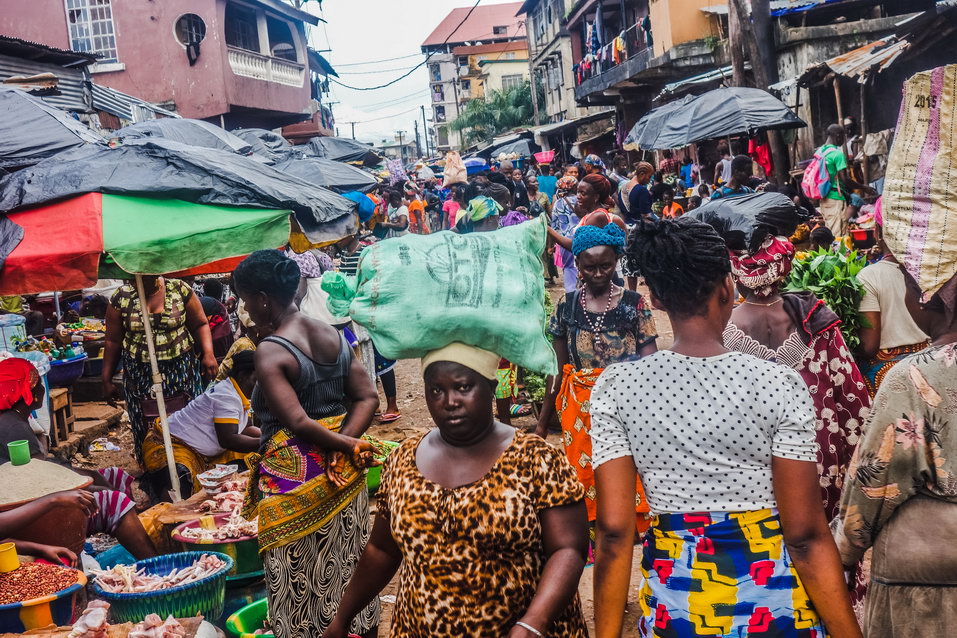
(389, 417)
(520, 410)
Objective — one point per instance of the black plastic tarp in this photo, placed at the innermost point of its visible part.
(338, 177)
(267, 144)
(342, 149)
(745, 222)
(31, 130)
(186, 131)
(162, 168)
(646, 130)
(713, 115)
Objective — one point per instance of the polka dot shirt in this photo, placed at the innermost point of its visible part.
(702, 431)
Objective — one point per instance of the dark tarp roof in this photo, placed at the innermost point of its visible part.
(266, 143)
(186, 131)
(32, 130)
(342, 149)
(716, 114)
(338, 177)
(167, 169)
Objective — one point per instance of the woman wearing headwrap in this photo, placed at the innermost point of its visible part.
(564, 222)
(798, 330)
(473, 504)
(634, 203)
(592, 328)
(593, 165)
(481, 214)
(111, 506)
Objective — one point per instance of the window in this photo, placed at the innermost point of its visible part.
(91, 28)
(439, 113)
(242, 31)
(465, 85)
(281, 43)
(190, 29)
(435, 73)
(499, 30)
(510, 55)
(511, 81)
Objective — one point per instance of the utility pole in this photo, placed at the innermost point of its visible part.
(353, 129)
(425, 133)
(418, 143)
(735, 44)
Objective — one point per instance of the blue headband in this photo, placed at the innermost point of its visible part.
(590, 236)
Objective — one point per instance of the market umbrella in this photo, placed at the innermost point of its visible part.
(164, 169)
(115, 236)
(716, 114)
(31, 130)
(338, 177)
(186, 131)
(342, 149)
(643, 134)
(520, 148)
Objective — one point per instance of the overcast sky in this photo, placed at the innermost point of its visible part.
(363, 31)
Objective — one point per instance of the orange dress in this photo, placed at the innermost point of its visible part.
(417, 223)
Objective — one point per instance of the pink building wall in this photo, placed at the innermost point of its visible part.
(156, 66)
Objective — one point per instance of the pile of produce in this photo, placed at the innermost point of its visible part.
(126, 579)
(833, 278)
(234, 527)
(34, 580)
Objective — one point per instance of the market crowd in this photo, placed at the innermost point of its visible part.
(756, 461)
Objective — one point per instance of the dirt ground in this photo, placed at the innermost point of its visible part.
(415, 420)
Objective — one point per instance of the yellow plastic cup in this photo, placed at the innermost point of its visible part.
(9, 561)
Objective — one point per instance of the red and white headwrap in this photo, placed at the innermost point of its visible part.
(762, 271)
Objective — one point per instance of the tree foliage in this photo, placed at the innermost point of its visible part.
(500, 111)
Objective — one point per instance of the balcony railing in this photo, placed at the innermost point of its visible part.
(250, 64)
(595, 63)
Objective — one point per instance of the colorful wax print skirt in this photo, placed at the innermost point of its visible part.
(722, 574)
(877, 367)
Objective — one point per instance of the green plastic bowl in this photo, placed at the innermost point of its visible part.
(374, 475)
(244, 622)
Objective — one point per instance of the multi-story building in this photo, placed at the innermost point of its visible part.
(491, 24)
(400, 148)
(232, 62)
(491, 67)
(550, 50)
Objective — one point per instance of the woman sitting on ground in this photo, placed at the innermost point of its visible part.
(724, 445)
(214, 428)
(108, 501)
(473, 506)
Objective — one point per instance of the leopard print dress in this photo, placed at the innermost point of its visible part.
(473, 555)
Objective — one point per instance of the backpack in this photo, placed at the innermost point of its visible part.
(816, 182)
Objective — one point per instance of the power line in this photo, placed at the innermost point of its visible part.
(387, 103)
(404, 68)
(401, 57)
(420, 64)
(387, 117)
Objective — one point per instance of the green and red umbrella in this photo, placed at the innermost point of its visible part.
(70, 244)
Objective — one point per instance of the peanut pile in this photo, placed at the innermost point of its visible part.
(34, 580)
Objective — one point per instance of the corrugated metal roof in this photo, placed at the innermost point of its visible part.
(778, 7)
(125, 106)
(72, 90)
(702, 78)
(10, 45)
(875, 55)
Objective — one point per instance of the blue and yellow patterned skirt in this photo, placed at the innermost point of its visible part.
(721, 574)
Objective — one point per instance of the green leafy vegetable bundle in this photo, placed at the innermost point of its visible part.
(833, 278)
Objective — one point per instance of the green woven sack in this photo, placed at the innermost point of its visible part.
(418, 293)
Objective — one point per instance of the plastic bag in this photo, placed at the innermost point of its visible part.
(418, 293)
(454, 172)
(745, 221)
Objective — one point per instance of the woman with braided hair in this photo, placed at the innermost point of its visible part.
(592, 327)
(725, 447)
